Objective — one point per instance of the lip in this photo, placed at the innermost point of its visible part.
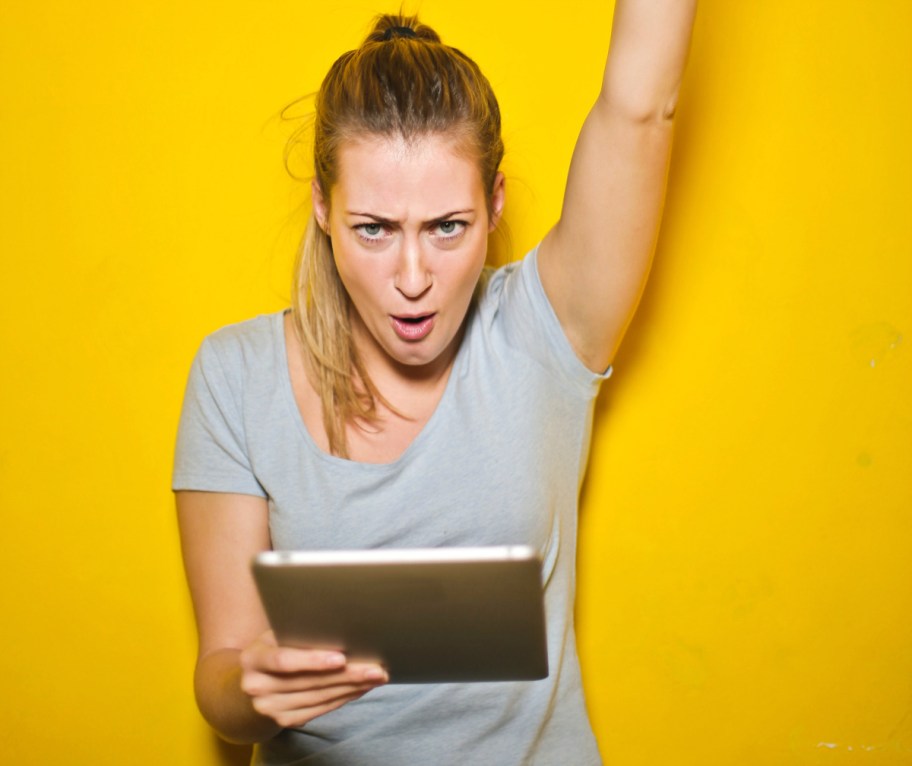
(413, 327)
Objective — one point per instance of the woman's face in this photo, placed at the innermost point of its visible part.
(409, 225)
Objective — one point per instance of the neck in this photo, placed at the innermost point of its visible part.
(396, 382)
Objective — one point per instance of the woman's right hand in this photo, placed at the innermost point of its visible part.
(294, 686)
(247, 687)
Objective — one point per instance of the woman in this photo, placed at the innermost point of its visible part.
(412, 399)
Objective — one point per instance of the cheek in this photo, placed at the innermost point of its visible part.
(474, 264)
(362, 278)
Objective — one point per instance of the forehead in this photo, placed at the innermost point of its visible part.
(397, 178)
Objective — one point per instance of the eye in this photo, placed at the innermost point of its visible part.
(370, 231)
(449, 229)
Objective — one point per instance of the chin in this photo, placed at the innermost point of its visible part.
(416, 359)
(417, 355)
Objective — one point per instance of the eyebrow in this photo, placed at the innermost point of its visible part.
(381, 219)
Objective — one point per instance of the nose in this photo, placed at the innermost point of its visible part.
(413, 278)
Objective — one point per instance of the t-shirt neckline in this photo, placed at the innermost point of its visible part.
(295, 413)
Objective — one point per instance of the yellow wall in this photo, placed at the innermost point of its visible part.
(746, 590)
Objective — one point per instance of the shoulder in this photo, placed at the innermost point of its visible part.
(515, 307)
(251, 343)
(499, 285)
(514, 293)
(239, 357)
(250, 334)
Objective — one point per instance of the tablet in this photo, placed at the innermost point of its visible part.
(427, 615)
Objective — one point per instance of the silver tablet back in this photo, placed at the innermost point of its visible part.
(427, 615)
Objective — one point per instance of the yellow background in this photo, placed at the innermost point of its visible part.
(746, 589)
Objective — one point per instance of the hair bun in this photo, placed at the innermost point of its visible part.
(392, 32)
(389, 26)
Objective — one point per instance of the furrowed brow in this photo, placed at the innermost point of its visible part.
(467, 211)
(372, 216)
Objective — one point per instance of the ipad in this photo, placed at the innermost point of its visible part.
(427, 615)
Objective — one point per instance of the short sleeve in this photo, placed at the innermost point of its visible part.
(531, 326)
(211, 453)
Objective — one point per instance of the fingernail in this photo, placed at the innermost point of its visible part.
(333, 659)
(375, 674)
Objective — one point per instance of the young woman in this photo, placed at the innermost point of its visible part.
(411, 398)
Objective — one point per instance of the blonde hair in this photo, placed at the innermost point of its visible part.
(402, 82)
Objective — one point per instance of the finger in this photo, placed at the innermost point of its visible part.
(257, 683)
(296, 709)
(367, 671)
(293, 718)
(275, 659)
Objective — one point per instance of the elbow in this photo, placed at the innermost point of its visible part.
(641, 105)
(670, 107)
(223, 704)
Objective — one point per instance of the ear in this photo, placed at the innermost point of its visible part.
(497, 201)
(320, 205)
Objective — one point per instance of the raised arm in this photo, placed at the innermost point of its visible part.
(595, 260)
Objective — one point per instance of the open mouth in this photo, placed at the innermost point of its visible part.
(413, 328)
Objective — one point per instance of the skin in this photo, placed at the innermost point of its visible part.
(594, 262)
(409, 225)
(593, 265)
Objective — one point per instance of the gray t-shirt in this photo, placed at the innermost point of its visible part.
(498, 463)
